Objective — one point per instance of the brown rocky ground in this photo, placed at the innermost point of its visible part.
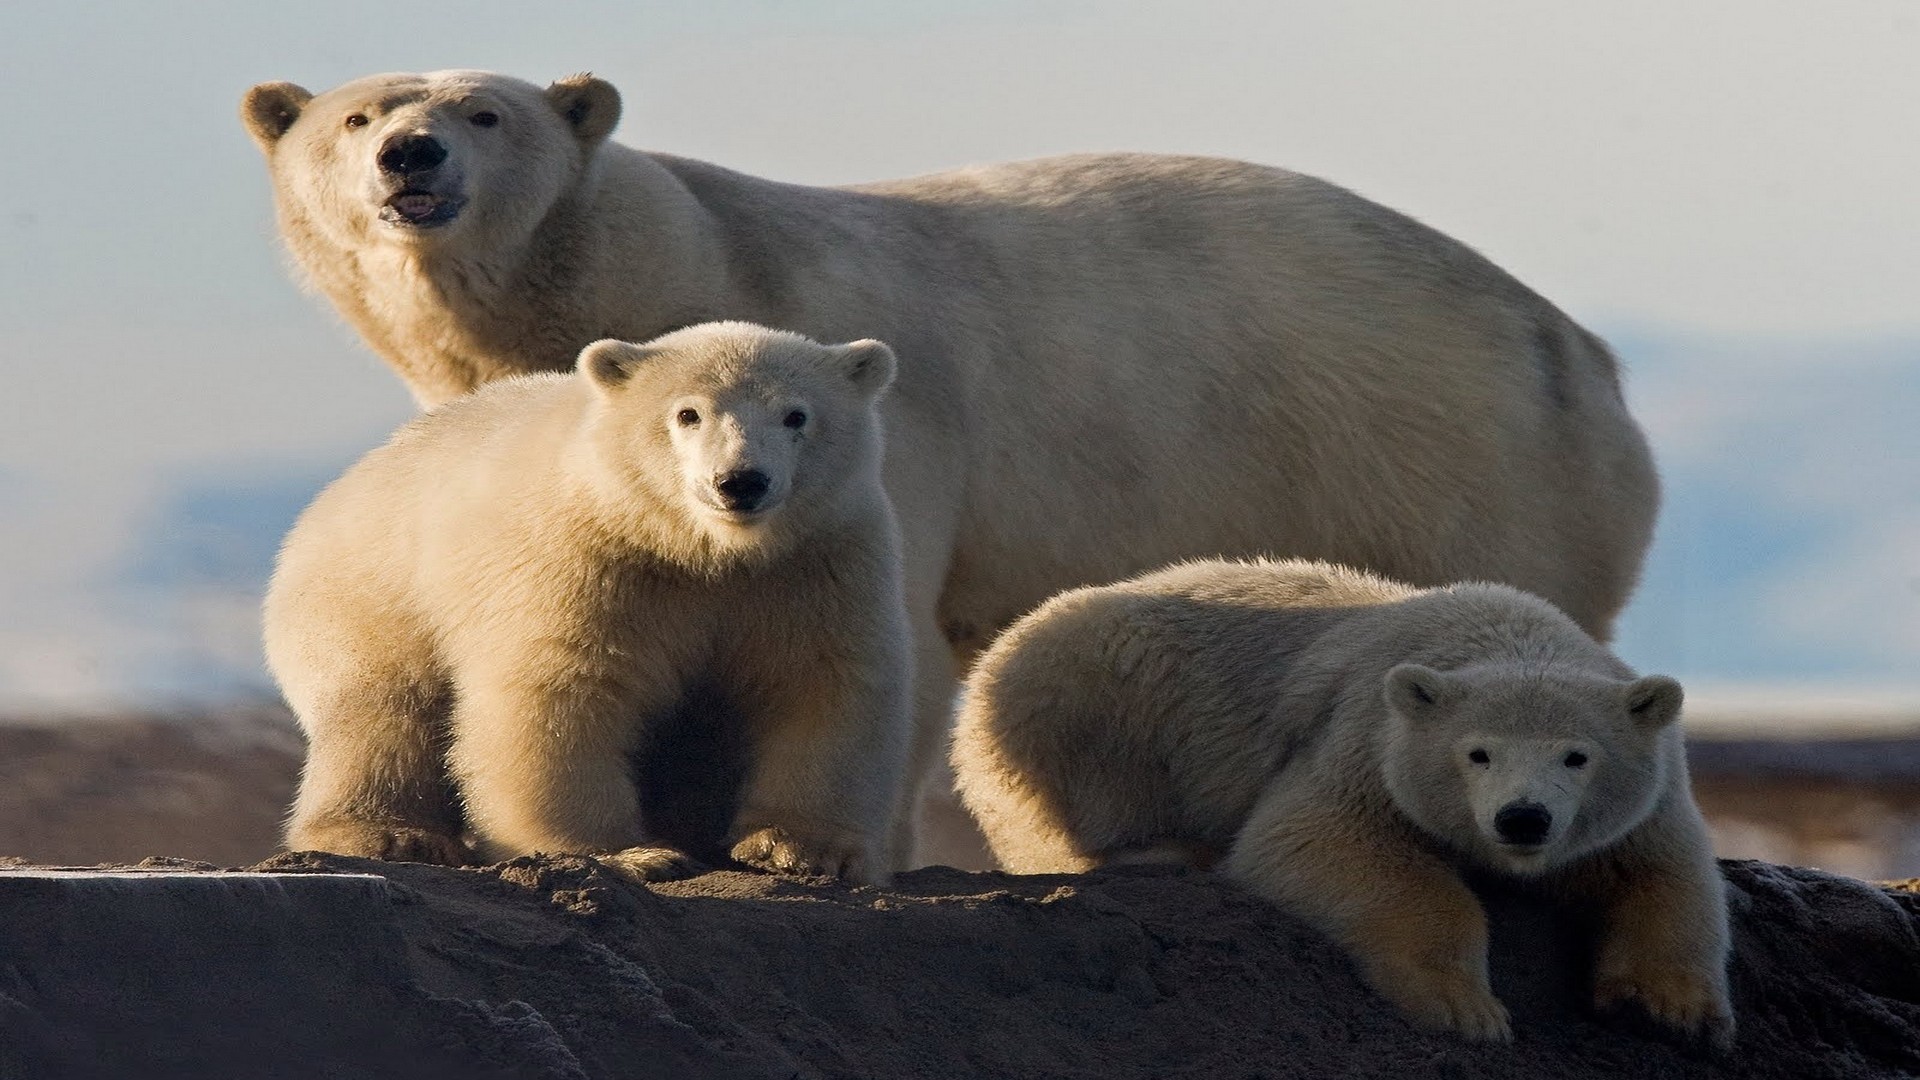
(551, 967)
(212, 786)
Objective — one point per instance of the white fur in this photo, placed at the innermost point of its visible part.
(1343, 745)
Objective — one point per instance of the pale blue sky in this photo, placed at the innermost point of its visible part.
(1727, 189)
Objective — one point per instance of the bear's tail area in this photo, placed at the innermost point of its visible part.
(1014, 805)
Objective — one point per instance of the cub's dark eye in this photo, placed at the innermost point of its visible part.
(796, 420)
(357, 120)
(1478, 757)
(1575, 760)
(484, 119)
(687, 417)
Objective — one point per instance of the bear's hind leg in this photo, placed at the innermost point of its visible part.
(1418, 934)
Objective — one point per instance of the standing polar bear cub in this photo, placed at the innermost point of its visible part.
(529, 595)
(1268, 361)
(1341, 744)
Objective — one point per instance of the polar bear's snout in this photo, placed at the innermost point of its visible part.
(413, 167)
(742, 490)
(404, 155)
(1522, 822)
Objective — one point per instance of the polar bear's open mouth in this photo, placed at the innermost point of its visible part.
(420, 209)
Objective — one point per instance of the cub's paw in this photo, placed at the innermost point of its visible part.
(1449, 1000)
(645, 864)
(1690, 999)
(842, 856)
(377, 840)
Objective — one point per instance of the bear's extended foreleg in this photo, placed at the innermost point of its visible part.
(1664, 936)
(1418, 934)
(829, 752)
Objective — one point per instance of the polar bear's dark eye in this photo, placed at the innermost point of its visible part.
(1575, 760)
(1478, 757)
(484, 119)
(355, 120)
(687, 417)
(796, 419)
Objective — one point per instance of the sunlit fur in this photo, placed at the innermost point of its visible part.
(501, 600)
(1308, 728)
(1108, 362)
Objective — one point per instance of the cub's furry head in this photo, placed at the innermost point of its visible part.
(426, 160)
(743, 437)
(1523, 767)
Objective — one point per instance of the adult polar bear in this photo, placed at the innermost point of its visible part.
(1107, 363)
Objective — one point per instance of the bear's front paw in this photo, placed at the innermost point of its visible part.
(1694, 1001)
(645, 864)
(1453, 1000)
(374, 840)
(842, 855)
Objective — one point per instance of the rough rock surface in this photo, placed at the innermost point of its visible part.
(553, 967)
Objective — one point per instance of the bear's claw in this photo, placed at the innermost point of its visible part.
(1691, 1001)
(1474, 1014)
(1448, 1000)
(776, 849)
(392, 843)
(644, 864)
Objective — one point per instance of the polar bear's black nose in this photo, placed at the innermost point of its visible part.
(1522, 823)
(742, 489)
(405, 154)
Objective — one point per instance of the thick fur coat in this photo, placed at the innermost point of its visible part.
(1344, 746)
(539, 613)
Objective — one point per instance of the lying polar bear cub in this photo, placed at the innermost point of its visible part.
(1342, 744)
(537, 593)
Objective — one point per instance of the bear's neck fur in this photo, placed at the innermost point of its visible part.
(629, 252)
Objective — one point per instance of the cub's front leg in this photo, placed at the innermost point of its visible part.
(1664, 935)
(543, 762)
(827, 703)
(1416, 931)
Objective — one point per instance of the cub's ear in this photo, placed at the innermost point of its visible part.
(1653, 701)
(1414, 690)
(609, 363)
(868, 363)
(590, 106)
(270, 109)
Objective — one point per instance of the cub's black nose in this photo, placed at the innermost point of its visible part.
(1522, 823)
(405, 154)
(742, 489)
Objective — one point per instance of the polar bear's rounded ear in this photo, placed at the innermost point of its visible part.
(1653, 701)
(270, 109)
(1414, 690)
(590, 106)
(868, 363)
(610, 362)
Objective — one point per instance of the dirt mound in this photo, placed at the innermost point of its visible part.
(553, 967)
